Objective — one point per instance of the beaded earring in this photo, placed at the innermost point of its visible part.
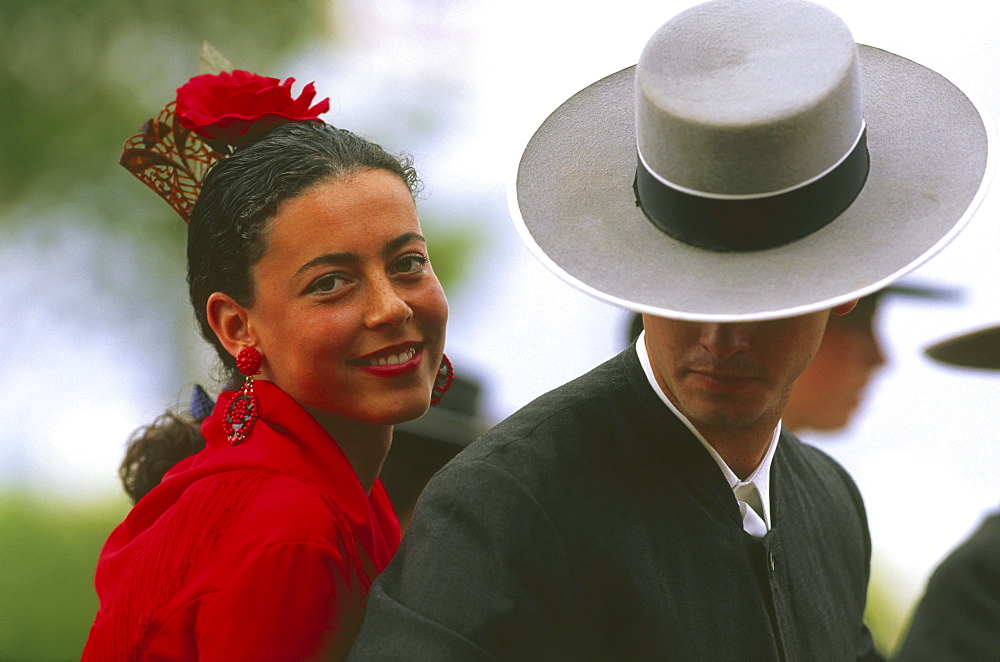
(445, 375)
(241, 413)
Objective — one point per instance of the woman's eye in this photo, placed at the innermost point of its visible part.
(328, 283)
(411, 264)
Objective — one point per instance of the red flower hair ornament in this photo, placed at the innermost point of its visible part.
(213, 114)
(238, 108)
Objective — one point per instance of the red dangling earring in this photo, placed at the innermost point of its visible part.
(445, 375)
(241, 413)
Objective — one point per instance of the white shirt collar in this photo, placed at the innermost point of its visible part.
(760, 477)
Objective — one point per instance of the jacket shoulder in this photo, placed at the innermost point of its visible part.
(578, 405)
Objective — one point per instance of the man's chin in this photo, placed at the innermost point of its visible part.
(726, 417)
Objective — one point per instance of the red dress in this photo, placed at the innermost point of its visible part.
(260, 551)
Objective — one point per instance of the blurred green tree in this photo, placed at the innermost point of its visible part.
(78, 76)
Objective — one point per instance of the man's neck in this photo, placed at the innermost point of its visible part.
(741, 450)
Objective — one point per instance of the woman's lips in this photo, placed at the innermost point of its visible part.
(393, 363)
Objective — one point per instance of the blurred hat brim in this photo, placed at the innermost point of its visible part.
(976, 349)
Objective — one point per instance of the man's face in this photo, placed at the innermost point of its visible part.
(734, 376)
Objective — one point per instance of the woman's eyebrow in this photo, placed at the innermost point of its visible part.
(394, 245)
(348, 257)
(329, 259)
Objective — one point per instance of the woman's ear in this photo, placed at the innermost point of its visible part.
(229, 321)
(845, 308)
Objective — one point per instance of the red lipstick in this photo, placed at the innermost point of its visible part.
(394, 361)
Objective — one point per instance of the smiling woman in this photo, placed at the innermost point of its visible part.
(345, 284)
(258, 535)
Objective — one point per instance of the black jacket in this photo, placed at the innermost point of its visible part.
(959, 616)
(591, 525)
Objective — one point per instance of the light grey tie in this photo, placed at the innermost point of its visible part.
(751, 508)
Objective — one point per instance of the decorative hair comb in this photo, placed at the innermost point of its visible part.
(213, 114)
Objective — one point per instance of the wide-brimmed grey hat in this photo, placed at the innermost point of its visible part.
(975, 349)
(781, 168)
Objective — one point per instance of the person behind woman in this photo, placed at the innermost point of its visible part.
(958, 617)
(306, 265)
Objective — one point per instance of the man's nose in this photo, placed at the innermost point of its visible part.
(724, 340)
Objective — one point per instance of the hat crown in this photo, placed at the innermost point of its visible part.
(744, 97)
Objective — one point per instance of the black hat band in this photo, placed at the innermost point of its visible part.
(744, 223)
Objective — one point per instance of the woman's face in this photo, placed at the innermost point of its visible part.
(348, 313)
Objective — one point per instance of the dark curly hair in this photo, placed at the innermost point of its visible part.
(227, 237)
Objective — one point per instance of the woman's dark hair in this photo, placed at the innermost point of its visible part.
(226, 238)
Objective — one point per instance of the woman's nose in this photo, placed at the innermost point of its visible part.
(874, 354)
(385, 306)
